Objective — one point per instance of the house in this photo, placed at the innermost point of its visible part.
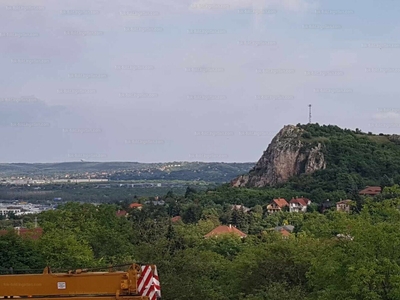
(371, 191)
(121, 213)
(277, 205)
(326, 205)
(285, 234)
(136, 206)
(344, 205)
(285, 230)
(288, 228)
(299, 204)
(155, 202)
(224, 229)
(240, 207)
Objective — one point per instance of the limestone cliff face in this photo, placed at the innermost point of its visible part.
(287, 155)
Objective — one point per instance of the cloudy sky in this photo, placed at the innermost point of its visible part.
(187, 80)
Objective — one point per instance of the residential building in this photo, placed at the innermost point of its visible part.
(285, 230)
(288, 228)
(136, 206)
(240, 207)
(299, 204)
(224, 229)
(285, 234)
(277, 205)
(155, 202)
(21, 208)
(9, 210)
(371, 191)
(344, 205)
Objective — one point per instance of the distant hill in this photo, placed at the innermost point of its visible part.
(309, 157)
(187, 171)
(198, 171)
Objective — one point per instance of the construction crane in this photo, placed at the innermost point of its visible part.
(140, 282)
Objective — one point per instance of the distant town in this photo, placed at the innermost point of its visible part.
(21, 208)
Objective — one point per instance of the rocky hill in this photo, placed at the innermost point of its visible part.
(288, 155)
(311, 156)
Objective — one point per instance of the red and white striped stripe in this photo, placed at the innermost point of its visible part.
(149, 283)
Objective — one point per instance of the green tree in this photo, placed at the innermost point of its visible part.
(20, 253)
(192, 213)
(240, 219)
(190, 191)
(60, 249)
(386, 182)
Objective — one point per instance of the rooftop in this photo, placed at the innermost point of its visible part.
(371, 190)
(135, 205)
(224, 229)
(281, 202)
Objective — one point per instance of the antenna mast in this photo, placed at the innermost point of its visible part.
(309, 113)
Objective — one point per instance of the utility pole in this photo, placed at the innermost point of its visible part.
(35, 222)
(309, 113)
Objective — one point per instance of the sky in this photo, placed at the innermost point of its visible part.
(190, 80)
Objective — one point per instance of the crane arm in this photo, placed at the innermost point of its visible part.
(79, 285)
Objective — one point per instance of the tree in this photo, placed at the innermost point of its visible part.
(170, 194)
(386, 182)
(392, 191)
(110, 246)
(192, 214)
(61, 249)
(240, 219)
(190, 191)
(365, 267)
(257, 210)
(20, 253)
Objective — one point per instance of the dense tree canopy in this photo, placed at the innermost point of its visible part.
(328, 256)
(354, 159)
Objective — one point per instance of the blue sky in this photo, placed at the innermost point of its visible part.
(190, 80)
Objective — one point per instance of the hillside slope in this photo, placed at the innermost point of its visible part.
(217, 172)
(307, 157)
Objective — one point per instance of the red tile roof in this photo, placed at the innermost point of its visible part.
(223, 229)
(281, 202)
(121, 213)
(135, 205)
(176, 219)
(301, 201)
(371, 190)
(34, 233)
(284, 232)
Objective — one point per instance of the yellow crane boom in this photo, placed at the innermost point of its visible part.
(84, 285)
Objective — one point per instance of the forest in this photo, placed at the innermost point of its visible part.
(354, 159)
(330, 255)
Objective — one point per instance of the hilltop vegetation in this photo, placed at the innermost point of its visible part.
(354, 160)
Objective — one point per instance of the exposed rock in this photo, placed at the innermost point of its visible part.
(287, 155)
